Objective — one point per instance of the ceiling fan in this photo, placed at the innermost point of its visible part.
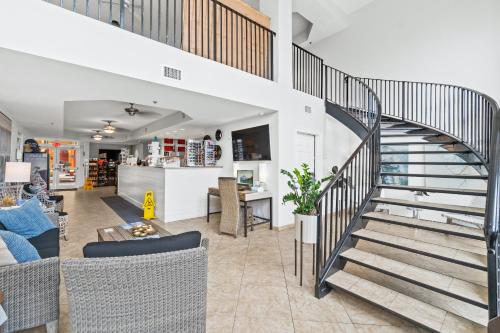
(109, 128)
(98, 136)
(133, 111)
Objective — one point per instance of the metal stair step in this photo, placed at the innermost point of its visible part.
(400, 128)
(432, 163)
(418, 143)
(417, 312)
(450, 229)
(458, 191)
(429, 175)
(408, 134)
(462, 290)
(475, 211)
(415, 152)
(459, 257)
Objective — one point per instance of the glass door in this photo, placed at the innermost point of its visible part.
(63, 166)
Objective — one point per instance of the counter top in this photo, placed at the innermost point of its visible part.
(176, 168)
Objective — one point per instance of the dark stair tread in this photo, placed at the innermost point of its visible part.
(459, 289)
(403, 152)
(434, 163)
(432, 206)
(400, 128)
(408, 134)
(459, 191)
(460, 257)
(430, 175)
(451, 229)
(415, 311)
(418, 143)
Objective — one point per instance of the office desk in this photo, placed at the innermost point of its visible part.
(246, 197)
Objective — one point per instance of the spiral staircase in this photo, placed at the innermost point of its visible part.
(410, 222)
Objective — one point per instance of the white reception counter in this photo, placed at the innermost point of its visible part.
(180, 193)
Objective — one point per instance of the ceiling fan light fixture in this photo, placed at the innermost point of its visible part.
(109, 128)
(97, 137)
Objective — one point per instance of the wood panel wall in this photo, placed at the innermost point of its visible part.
(239, 40)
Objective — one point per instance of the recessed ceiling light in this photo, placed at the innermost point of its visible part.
(182, 129)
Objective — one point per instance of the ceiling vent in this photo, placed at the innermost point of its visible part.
(171, 73)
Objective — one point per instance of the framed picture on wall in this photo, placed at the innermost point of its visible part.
(5, 143)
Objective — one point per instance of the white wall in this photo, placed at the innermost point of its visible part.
(40, 28)
(445, 41)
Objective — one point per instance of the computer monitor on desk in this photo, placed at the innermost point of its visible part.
(244, 178)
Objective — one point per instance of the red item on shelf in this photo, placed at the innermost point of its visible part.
(169, 148)
(181, 149)
(181, 141)
(168, 141)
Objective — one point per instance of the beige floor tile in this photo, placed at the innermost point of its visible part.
(455, 324)
(251, 282)
(263, 301)
(244, 324)
(429, 315)
(302, 326)
(306, 307)
(220, 323)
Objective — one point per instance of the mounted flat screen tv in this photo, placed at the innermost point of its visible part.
(251, 144)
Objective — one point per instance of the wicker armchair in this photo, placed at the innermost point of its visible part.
(41, 184)
(165, 292)
(31, 293)
(231, 219)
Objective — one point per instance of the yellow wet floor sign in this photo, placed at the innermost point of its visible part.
(149, 205)
(89, 184)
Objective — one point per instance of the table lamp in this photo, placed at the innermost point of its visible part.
(18, 173)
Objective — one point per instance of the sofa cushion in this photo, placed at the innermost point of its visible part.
(47, 244)
(187, 240)
(28, 220)
(6, 258)
(19, 246)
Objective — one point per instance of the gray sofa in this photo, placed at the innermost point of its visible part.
(165, 292)
(31, 293)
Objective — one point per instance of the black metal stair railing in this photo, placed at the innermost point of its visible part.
(471, 118)
(343, 199)
(207, 28)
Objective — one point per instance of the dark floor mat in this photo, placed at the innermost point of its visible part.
(127, 211)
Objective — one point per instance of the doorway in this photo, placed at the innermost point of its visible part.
(305, 150)
(63, 165)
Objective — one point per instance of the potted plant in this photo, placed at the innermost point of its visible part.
(305, 190)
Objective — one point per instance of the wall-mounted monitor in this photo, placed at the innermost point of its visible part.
(251, 144)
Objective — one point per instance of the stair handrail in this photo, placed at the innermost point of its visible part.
(355, 180)
(474, 121)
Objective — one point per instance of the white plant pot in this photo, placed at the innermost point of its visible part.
(309, 225)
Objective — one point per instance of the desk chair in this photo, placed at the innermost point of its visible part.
(231, 219)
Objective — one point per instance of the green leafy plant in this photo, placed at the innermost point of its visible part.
(305, 189)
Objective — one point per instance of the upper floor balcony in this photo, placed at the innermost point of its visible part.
(230, 32)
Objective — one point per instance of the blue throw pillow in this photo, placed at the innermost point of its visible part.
(27, 220)
(21, 249)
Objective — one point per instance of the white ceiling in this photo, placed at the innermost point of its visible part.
(82, 118)
(39, 93)
(327, 17)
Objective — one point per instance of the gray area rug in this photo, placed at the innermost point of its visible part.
(128, 212)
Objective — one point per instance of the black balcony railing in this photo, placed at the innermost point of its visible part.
(307, 72)
(207, 28)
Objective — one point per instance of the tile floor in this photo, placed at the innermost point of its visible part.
(251, 281)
